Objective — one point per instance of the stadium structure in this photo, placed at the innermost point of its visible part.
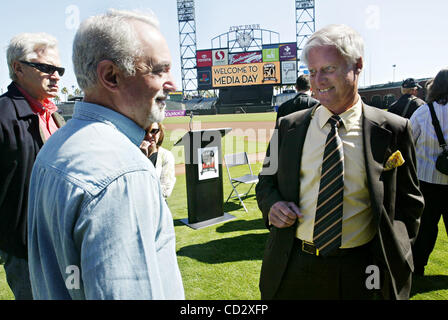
(242, 66)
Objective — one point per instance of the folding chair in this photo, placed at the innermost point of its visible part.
(234, 160)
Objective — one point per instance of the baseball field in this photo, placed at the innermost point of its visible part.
(222, 262)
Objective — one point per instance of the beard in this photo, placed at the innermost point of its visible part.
(157, 112)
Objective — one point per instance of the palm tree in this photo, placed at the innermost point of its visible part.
(57, 99)
(65, 91)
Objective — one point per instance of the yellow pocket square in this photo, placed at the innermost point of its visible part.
(395, 160)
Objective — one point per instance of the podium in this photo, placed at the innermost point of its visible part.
(203, 172)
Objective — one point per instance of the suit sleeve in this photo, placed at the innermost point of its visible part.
(267, 187)
(3, 173)
(409, 199)
(8, 162)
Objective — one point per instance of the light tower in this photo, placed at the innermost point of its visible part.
(187, 40)
(305, 25)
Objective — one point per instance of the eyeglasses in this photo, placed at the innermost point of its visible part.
(154, 131)
(45, 68)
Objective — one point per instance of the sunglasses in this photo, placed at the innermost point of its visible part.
(154, 131)
(45, 68)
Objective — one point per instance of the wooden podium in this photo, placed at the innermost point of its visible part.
(203, 171)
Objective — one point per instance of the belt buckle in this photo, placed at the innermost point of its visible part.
(309, 247)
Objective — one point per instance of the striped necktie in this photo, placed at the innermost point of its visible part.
(328, 221)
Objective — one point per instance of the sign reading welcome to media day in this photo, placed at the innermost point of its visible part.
(246, 74)
(218, 68)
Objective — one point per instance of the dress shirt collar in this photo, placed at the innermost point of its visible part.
(349, 118)
(90, 111)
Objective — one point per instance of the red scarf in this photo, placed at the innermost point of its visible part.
(44, 109)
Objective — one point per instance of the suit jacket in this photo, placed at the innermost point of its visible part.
(398, 107)
(20, 140)
(300, 102)
(396, 200)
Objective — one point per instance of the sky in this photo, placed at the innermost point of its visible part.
(409, 34)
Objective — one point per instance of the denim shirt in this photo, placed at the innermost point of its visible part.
(98, 225)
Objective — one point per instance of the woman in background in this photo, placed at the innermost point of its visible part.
(162, 159)
(433, 184)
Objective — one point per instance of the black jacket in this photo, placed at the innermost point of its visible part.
(20, 141)
(399, 106)
(301, 101)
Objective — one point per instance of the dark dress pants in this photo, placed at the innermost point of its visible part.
(339, 277)
(436, 205)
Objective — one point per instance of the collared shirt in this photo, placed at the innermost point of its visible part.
(44, 109)
(99, 227)
(357, 225)
(426, 143)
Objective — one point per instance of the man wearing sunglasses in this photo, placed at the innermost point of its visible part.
(27, 119)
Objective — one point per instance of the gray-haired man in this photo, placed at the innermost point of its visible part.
(99, 227)
(342, 208)
(27, 119)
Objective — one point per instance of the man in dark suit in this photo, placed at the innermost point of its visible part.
(301, 101)
(338, 190)
(27, 119)
(408, 102)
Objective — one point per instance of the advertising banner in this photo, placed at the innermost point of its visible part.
(288, 51)
(270, 53)
(175, 113)
(246, 74)
(289, 72)
(220, 57)
(204, 78)
(245, 57)
(204, 58)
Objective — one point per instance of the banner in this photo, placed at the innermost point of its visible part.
(204, 58)
(287, 51)
(220, 57)
(245, 57)
(204, 78)
(175, 113)
(246, 74)
(289, 72)
(270, 53)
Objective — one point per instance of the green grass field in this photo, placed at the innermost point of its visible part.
(250, 117)
(223, 262)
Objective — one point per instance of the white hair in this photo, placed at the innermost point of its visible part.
(110, 36)
(26, 46)
(346, 40)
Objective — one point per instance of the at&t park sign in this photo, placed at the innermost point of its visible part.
(245, 27)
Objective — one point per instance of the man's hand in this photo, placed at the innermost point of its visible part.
(284, 214)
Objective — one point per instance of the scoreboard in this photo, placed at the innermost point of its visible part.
(274, 64)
